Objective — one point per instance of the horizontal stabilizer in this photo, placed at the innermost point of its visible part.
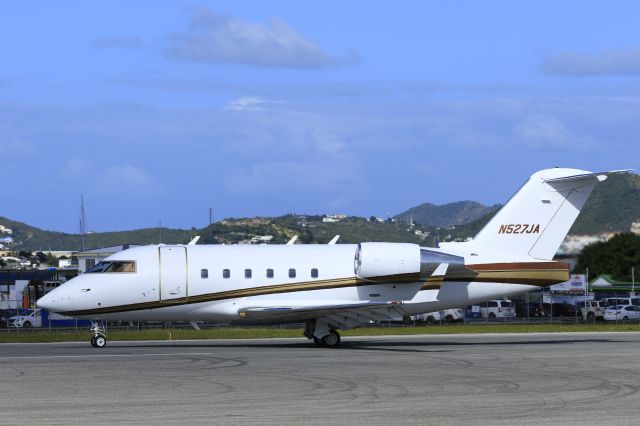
(600, 175)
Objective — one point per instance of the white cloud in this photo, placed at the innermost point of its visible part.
(127, 174)
(216, 38)
(247, 103)
(76, 167)
(15, 147)
(544, 131)
(608, 62)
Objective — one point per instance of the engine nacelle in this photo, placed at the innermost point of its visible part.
(386, 259)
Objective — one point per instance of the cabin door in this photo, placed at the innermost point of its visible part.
(173, 273)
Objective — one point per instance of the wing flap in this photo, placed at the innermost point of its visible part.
(353, 311)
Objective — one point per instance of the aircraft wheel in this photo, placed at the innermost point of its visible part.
(331, 340)
(98, 341)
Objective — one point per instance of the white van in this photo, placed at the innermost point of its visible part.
(498, 309)
(620, 301)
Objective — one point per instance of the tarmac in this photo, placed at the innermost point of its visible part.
(561, 378)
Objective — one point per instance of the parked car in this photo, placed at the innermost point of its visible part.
(620, 301)
(593, 310)
(447, 315)
(497, 309)
(617, 313)
(26, 318)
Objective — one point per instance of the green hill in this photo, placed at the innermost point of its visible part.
(613, 206)
(451, 214)
(31, 238)
(310, 229)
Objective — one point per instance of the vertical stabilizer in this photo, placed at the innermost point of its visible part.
(538, 217)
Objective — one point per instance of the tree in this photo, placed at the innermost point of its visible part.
(616, 257)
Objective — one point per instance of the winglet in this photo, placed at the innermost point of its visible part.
(292, 241)
(194, 241)
(334, 240)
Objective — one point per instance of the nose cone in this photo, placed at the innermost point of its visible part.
(48, 302)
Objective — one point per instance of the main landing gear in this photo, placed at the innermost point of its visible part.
(329, 338)
(99, 340)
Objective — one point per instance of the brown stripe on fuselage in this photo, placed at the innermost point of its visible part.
(518, 266)
(540, 274)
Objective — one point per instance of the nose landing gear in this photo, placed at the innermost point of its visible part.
(99, 339)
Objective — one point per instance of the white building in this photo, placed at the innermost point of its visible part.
(334, 218)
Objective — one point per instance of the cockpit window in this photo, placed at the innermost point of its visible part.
(115, 266)
(100, 267)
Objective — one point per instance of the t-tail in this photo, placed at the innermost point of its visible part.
(535, 221)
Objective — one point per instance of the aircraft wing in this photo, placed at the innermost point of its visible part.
(346, 315)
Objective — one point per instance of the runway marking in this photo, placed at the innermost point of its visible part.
(105, 355)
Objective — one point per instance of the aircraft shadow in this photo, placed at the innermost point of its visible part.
(373, 345)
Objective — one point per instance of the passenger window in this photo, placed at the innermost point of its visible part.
(314, 273)
(226, 273)
(292, 273)
(269, 273)
(247, 273)
(204, 273)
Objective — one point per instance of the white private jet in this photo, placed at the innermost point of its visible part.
(335, 286)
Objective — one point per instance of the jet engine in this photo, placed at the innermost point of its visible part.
(391, 259)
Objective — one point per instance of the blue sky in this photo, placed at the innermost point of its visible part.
(160, 110)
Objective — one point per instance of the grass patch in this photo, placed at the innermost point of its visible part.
(43, 336)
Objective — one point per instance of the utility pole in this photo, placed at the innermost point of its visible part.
(83, 223)
(160, 229)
